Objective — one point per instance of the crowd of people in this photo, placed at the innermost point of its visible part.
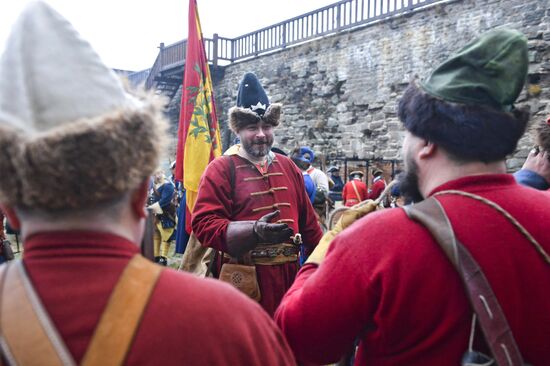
(456, 274)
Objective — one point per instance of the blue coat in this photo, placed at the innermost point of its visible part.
(164, 195)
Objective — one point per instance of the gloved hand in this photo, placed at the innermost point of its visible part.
(347, 218)
(242, 236)
(268, 233)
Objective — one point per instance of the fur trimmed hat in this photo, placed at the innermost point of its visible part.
(70, 135)
(253, 105)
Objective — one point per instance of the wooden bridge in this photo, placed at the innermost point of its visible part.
(166, 74)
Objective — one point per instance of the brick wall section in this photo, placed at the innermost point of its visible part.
(340, 93)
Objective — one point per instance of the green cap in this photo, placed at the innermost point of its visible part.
(490, 70)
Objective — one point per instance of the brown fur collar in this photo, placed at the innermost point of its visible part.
(88, 162)
(240, 117)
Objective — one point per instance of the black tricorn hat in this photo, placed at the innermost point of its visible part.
(253, 105)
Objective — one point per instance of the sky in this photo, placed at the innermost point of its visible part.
(127, 33)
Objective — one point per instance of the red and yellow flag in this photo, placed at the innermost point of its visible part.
(198, 134)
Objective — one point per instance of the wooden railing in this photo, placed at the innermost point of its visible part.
(330, 19)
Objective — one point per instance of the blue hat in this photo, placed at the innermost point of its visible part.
(252, 95)
(304, 154)
(253, 105)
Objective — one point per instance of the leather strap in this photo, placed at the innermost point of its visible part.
(493, 322)
(356, 191)
(120, 320)
(27, 335)
(25, 326)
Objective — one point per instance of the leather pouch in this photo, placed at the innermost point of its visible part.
(243, 277)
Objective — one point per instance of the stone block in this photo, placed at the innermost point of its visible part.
(377, 124)
(345, 118)
(332, 122)
(379, 116)
(384, 138)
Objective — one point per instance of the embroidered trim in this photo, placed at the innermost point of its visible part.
(243, 166)
(271, 190)
(272, 207)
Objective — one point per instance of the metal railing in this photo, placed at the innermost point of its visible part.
(330, 19)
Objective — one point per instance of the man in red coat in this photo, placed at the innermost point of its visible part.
(378, 184)
(355, 190)
(77, 153)
(386, 282)
(252, 201)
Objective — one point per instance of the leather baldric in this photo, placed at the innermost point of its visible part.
(356, 191)
(493, 322)
(28, 336)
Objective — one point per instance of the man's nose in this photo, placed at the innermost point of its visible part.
(261, 132)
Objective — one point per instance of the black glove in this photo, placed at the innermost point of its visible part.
(268, 233)
(242, 236)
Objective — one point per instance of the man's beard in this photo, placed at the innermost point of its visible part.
(258, 148)
(408, 183)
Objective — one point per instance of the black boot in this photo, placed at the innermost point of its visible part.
(163, 261)
(157, 259)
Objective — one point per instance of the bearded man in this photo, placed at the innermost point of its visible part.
(387, 282)
(252, 201)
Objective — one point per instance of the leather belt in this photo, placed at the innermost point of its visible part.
(274, 254)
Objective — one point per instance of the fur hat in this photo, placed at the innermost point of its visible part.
(70, 135)
(466, 105)
(253, 105)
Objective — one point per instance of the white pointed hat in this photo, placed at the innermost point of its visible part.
(70, 135)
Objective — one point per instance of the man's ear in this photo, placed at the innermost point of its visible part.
(427, 149)
(11, 215)
(138, 199)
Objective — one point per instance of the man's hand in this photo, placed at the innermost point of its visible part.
(538, 162)
(348, 217)
(242, 236)
(268, 233)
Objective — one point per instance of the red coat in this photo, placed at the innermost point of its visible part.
(350, 197)
(387, 282)
(377, 188)
(188, 321)
(216, 206)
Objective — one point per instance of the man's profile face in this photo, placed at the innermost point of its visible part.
(257, 139)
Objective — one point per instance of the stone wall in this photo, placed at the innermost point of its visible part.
(340, 93)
